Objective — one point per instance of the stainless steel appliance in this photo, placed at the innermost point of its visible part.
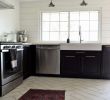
(49, 59)
(22, 36)
(10, 77)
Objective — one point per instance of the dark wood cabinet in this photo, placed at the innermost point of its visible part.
(29, 61)
(106, 61)
(80, 63)
(91, 64)
(70, 63)
(33, 60)
(26, 61)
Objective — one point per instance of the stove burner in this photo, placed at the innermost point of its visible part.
(6, 47)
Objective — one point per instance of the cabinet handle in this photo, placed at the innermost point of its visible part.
(20, 49)
(90, 56)
(107, 46)
(70, 56)
(38, 47)
(80, 52)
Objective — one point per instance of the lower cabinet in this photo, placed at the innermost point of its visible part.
(29, 60)
(80, 63)
(70, 63)
(88, 64)
(106, 62)
(91, 64)
(26, 61)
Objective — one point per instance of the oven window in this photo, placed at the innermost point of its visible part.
(7, 66)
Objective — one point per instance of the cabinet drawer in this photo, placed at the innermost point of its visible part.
(93, 53)
(71, 52)
(67, 52)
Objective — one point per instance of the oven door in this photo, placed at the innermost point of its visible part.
(7, 73)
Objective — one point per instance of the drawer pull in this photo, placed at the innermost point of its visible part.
(107, 46)
(70, 56)
(90, 56)
(80, 52)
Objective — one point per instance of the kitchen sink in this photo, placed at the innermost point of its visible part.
(83, 46)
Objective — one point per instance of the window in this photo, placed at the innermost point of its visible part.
(58, 26)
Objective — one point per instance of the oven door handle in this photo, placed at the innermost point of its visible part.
(4, 50)
(8, 50)
(20, 49)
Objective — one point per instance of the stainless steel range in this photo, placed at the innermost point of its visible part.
(11, 66)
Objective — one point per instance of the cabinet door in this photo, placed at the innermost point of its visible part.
(91, 64)
(106, 62)
(29, 60)
(26, 62)
(70, 63)
(33, 60)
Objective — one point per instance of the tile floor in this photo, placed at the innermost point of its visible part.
(76, 89)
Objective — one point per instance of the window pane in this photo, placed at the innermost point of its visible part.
(93, 25)
(74, 36)
(54, 16)
(85, 36)
(84, 15)
(74, 26)
(63, 36)
(74, 15)
(45, 16)
(84, 25)
(45, 26)
(63, 16)
(63, 26)
(93, 36)
(94, 15)
(45, 36)
(54, 36)
(54, 26)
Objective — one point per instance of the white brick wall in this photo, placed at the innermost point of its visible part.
(29, 19)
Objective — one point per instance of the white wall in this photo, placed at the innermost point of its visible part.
(30, 13)
(9, 18)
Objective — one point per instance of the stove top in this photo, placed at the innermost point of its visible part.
(10, 43)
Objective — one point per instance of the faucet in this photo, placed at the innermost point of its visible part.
(80, 33)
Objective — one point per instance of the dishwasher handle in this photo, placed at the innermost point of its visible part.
(48, 48)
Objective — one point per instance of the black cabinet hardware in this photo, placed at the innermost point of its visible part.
(70, 56)
(80, 52)
(90, 56)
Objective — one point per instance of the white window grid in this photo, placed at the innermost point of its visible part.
(68, 24)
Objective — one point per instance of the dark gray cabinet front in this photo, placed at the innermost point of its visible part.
(106, 61)
(70, 63)
(91, 64)
(80, 63)
(29, 60)
(26, 62)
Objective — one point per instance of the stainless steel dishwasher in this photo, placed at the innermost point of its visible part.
(49, 59)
